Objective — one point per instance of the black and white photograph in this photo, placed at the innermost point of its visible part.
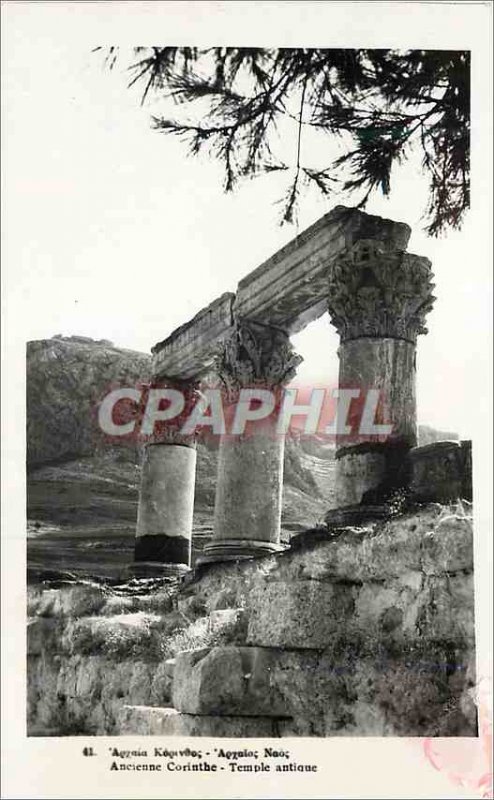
(248, 453)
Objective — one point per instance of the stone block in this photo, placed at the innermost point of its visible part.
(149, 721)
(70, 601)
(228, 680)
(298, 614)
(130, 681)
(370, 587)
(224, 617)
(378, 610)
(41, 635)
(261, 681)
(449, 547)
(123, 635)
(436, 472)
(445, 609)
(419, 693)
(434, 539)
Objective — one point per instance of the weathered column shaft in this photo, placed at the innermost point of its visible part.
(248, 497)
(166, 505)
(387, 365)
(247, 519)
(378, 300)
(166, 498)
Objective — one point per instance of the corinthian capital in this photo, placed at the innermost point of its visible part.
(169, 431)
(379, 294)
(256, 355)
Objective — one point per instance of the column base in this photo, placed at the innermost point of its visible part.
(352, 515)
(155, 569)
(367, 473)
(358, 472)
(237, 550)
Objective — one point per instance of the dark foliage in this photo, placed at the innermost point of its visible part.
(379, 103)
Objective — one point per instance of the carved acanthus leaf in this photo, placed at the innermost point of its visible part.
(256, 355)
(380, 294)
(169, 431)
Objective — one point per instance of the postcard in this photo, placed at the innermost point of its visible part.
(247, 532)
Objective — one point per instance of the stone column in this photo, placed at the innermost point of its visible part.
(247, 518)
(166, 498)
(378, 301)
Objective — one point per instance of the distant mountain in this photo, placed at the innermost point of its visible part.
(66, 376)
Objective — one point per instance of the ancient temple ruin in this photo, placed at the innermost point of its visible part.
(378, 296)
(362, 626)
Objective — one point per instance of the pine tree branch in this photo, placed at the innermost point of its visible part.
(388, 101)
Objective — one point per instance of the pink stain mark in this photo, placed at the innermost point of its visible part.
(467, 762)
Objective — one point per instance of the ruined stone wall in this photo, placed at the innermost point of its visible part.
(361, 630)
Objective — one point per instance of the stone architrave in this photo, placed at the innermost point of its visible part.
(166, 498)
(247, 517)
(378, 300)
(288, 291)
(190, 350)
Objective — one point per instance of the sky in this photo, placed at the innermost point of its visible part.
(115, 233)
